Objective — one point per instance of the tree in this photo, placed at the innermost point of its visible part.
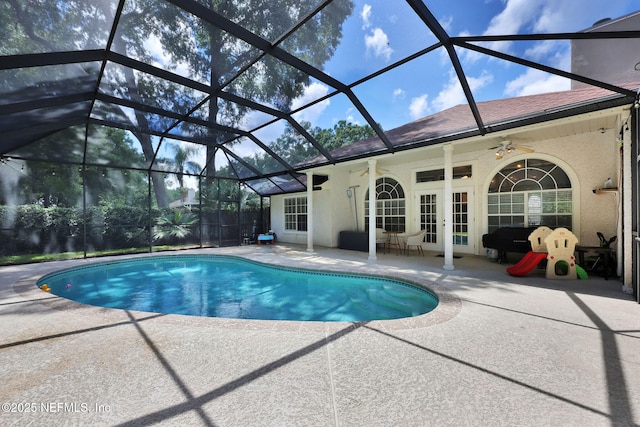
(174, 225)
(210, 54)
(342, 134)
(295, 148)
(182, 164)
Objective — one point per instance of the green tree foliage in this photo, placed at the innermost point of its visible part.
(48, 183)
(211, 54)
(175, 225)
(294, 148)
(186, 42)
(182, 163)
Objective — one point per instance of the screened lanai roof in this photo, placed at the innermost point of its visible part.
(259, 90)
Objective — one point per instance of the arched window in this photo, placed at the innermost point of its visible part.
(529, 193)
(390, 205)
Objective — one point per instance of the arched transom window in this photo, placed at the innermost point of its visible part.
(529, 193)
(390, 205)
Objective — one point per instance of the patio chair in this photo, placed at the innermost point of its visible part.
(382, 239)
(604, 263)
(415, 240)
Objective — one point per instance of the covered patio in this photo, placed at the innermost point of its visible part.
(500, 350)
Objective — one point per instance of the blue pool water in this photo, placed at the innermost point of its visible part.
(229, 287)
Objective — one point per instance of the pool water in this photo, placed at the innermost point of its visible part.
(229, 287)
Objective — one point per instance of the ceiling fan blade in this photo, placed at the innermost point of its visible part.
(525, 149)
(379, 171)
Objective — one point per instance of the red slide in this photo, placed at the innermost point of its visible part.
(527, 263)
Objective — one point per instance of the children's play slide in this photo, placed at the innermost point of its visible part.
(531, 260)
(557, 247)
(527, 263)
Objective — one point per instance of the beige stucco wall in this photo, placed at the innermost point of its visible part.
(332, 213)
(589, 159)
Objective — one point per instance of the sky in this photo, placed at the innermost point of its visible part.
(381, 32)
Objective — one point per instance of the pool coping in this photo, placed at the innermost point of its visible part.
(449, 305)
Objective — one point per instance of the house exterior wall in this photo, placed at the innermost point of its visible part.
(588, 158)
(327, 225)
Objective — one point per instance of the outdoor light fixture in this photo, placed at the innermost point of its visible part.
(506, 147)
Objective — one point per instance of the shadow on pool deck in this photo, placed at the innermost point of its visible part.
(519, 351)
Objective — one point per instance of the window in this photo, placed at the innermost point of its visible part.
(460, 218)
(530, 193)
(295, 214)
(459, 172)
(390, 205)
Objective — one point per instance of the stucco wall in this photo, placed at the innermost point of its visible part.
(326, 202)
(588, 158)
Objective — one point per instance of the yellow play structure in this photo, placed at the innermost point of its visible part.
(557, 247)
(561, 263)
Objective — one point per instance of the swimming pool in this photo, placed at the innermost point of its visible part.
(232, 287)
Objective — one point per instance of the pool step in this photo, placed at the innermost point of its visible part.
(375, 298)
(397, 299)
(360, 298)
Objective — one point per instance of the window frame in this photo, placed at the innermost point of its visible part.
(296, 214)
(511, 202)
(391, 205)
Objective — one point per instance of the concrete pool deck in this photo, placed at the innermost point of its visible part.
(501, 351)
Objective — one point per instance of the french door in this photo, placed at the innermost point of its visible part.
(430, 217)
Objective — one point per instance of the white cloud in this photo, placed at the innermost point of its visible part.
(535, 81)
(541, 50)
(452, 93)
(161, 59)
(446, 23)
(377, 41)
(541, 16)
(153, 46)
(399, 94)
(311, 114)
(350, 118)
(378, 44)
(419, 106)
(311, 93)
(516, 15)
(366, 16)
(509, 21)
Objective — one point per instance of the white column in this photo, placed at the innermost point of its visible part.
(309, 212)
(372, 210)
(448, 208)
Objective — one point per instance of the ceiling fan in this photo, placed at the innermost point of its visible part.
(506, 147)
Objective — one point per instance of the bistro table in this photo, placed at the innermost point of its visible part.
(393, 241)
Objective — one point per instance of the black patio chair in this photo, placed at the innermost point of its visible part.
(604, 264)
